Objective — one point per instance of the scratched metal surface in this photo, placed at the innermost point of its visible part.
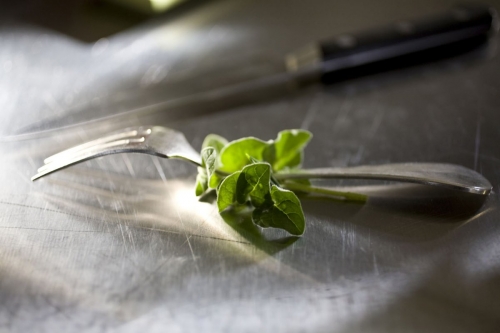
(120, 244)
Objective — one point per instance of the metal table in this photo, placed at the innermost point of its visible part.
(121, 244)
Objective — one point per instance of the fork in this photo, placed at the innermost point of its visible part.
(168, 143)
(153, 140)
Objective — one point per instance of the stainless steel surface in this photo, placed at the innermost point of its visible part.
(152, 140)
(236, 91)
(120, 244)
(167, 143)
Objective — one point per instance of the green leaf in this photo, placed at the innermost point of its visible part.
(215, 180)
(254, 183)
(215, 141)
(250, 163)
(201, 181)
(211, 148)
(207, 169)
(209, 157)
(236, 154)
(226, 193)
(287, 150)
(286, 213)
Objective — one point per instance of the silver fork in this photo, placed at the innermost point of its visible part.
(153, 140)
(168, 143)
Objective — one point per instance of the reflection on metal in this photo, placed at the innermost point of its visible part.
(147, 6)
(477, 216)
(163, 5)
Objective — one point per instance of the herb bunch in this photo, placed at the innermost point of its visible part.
(242, 172)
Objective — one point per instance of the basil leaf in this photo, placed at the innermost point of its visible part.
(286, 213)
(209, 157)
(201, 181)
(254, 183)
(287, 150)
(215, 141)
(206, 171)
(215, 180)
(226, 192)
(250, 163)
(236, 154)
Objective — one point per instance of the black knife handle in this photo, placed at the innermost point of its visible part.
(400, 44)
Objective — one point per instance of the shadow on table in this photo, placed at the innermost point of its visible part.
(164, 206)
(268, 240)
(415, 212)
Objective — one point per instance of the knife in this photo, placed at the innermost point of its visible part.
(401, 44)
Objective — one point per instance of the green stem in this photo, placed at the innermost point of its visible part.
(350, 196)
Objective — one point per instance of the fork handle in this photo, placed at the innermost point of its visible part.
(446, 175)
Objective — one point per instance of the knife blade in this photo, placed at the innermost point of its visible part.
(403, 43)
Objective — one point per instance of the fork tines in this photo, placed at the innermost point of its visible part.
(113, 143)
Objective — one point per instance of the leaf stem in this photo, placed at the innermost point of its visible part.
(350, 196)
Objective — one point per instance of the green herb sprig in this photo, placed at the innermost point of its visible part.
(245, 174)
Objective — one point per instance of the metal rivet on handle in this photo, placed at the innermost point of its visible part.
(405, 27)
(346, 41)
